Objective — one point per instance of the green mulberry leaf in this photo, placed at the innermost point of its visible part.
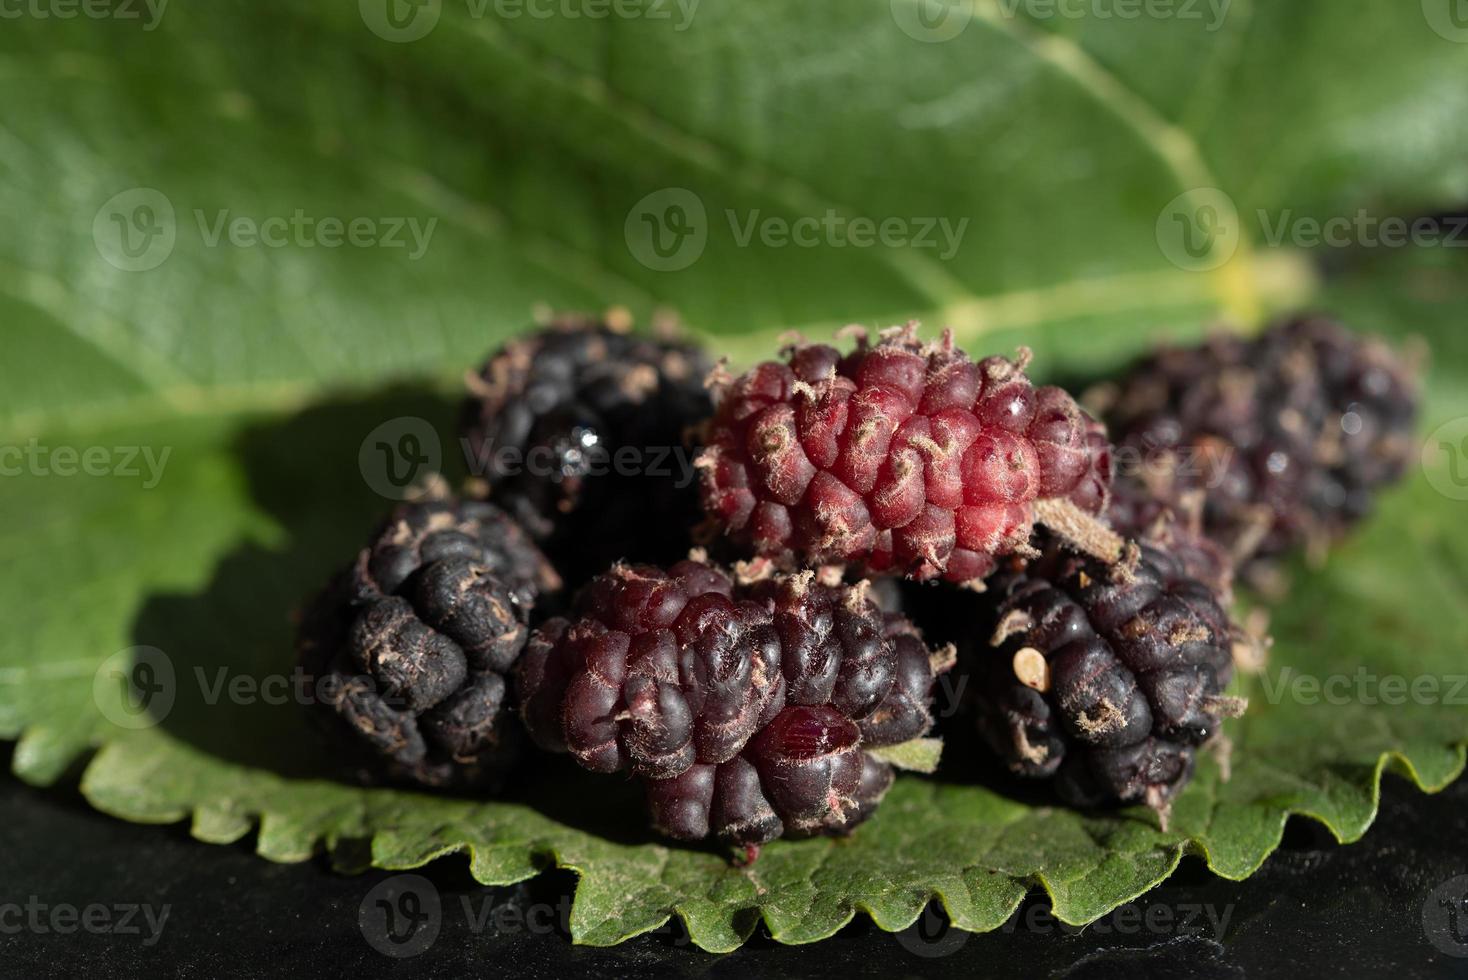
(195, 380)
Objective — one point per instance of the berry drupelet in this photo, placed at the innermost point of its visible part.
(1289, 434)
(747, 709)
(899, 457)
(579, 430)
(410, 646)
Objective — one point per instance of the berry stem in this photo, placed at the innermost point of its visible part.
(1080, 530)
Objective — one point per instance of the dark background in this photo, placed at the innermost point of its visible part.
(1385, 905)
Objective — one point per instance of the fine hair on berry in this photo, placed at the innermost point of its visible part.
(580, 431)
(899, 457)
(410, 646)
(747, 708)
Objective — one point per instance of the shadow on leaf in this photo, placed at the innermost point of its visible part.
(231, 646)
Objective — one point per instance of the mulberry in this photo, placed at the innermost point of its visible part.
(1108, 678)
(898, 457)
(408, 648)
(579, 431)
(1289, 435)
(747, 709)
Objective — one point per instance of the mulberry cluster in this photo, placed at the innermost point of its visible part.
(747, 709)
(1107, 678)
(409, 646)
(579, 430)
(1289, 435)
(761, 702)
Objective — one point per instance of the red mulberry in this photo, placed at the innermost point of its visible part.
(747, 710)
(899, 457)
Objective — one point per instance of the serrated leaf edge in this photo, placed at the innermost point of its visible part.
(213, 826)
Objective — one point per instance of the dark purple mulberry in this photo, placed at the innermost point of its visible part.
(1289, 434)
(1107, 678)
(409, 647)
(747, 709)
(579, 430)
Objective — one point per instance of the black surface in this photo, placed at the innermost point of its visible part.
(1386, 905)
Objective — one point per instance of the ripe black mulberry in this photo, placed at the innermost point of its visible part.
(410, 646)
(580, 431)
(1289, 435)
(1106, 678)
